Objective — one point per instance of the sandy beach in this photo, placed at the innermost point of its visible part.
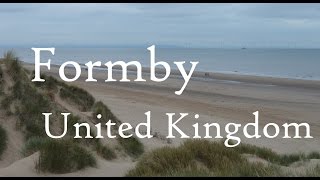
(216, 97)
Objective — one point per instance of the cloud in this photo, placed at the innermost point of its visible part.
(284, 11)
(14, 8)
(176, 24)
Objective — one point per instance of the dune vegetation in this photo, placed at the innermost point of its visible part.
(3, 140)
(3, 133)
(208, 158)
(62, 156)
(26, 101)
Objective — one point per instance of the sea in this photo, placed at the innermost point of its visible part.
(288, 63)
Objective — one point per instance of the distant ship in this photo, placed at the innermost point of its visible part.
(243, 48)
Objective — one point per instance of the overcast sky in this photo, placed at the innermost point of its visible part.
(195, 25)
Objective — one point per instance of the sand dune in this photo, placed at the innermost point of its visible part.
(215, 100)
(225, 99)
(25, 168)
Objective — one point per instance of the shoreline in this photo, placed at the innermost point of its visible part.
(215, 101)
(207, 76)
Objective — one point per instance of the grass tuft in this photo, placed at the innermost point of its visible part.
(202, 158)
(78, 96)
(273, 157)
(33, 145)
(3, 140)
(50, 82)
(63, 156)
(312, 172)
(106, 152)
(132, 146)
(100, 108)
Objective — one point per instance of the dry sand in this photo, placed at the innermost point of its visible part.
(221, 98)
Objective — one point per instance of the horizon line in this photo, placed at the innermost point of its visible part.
(159, 46)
